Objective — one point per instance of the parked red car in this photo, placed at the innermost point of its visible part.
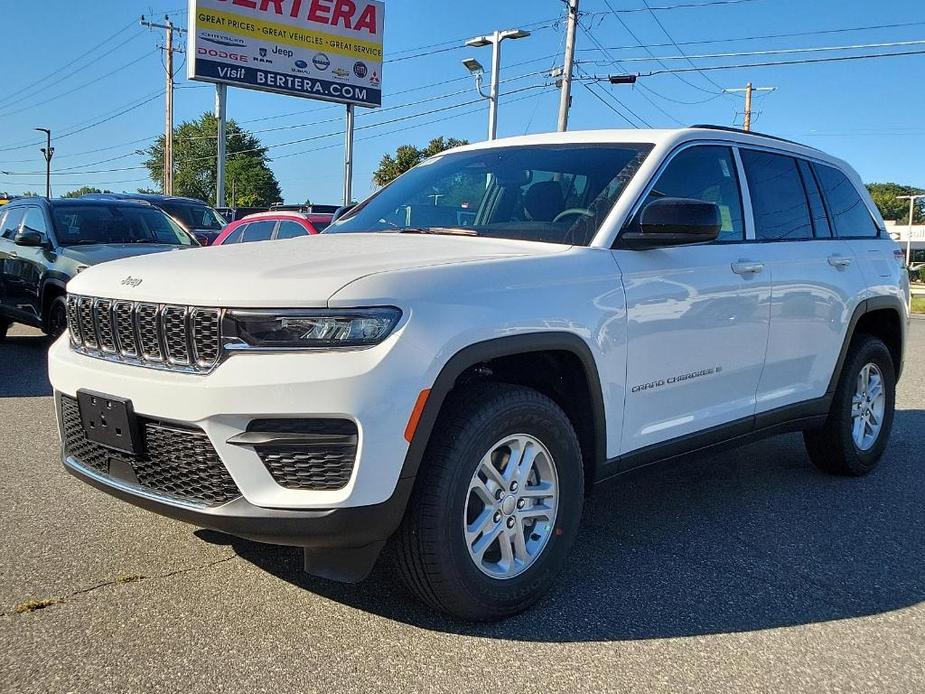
(266, 226)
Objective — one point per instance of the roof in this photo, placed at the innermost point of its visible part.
(81, 201)
(286, 214)
(149, 197)
(661, 138)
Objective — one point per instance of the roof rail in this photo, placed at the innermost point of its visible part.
(730, 129)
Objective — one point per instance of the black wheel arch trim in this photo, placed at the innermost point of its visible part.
(865, 306)
(480, 352)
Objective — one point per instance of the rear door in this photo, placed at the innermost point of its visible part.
(697, 316)
(814, 278)
(853, 222)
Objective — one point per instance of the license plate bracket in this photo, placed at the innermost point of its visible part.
(109, 421)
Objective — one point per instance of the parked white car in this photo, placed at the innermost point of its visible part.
(464, 355)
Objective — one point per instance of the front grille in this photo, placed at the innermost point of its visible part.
(178, 338)
(322, 461)
(176, 461)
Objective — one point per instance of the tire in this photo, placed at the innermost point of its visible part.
(432, 550)
(55, 321)
(834, 447)
(4, 326)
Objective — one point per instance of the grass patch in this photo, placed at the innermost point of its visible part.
(918, 304)
(33, 605)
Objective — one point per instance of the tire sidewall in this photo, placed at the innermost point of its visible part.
(58, 304)
(552, 429)
(871, 351)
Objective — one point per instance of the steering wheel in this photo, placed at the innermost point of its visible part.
(573, 210)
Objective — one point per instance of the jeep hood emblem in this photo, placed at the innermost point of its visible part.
(131, 281)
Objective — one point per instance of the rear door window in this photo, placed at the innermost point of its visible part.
(778, 199)
(290, 230)
(821, 226)
(850, 215)
(258, 231)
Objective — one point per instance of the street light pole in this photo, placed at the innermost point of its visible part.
(494, 40)
(48, 151)
(911, 199)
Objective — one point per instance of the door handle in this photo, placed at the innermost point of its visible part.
(747, 267)
(839, 261)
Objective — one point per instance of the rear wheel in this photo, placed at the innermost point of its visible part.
(853, 439)
(56, 318)
(496, 506)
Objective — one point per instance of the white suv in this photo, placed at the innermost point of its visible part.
(464, 355)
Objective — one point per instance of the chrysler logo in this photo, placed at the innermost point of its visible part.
(131, 281)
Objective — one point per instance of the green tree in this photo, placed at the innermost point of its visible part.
(886, 197)
(83, 190)
(247, 168)
(409, 156)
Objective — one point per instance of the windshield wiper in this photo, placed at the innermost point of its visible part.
(448, 231)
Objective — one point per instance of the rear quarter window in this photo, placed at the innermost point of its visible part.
(849, 214)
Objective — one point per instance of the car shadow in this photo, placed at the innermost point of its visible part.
(749, 539)
(24, 365)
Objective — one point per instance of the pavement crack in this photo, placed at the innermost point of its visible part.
(29, 606)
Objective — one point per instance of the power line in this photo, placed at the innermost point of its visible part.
(682, 6)
(734, 39)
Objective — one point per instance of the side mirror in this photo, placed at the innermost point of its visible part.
(341, 211)
(30, 238)
(674, 222)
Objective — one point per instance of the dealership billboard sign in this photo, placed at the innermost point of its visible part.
(318, 49)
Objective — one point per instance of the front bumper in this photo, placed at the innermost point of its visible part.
(340, 543)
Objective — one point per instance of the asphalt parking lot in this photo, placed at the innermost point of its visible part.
(745, 571)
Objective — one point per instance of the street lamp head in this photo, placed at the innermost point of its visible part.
(514, 34)
(478, 41)
(473, 66)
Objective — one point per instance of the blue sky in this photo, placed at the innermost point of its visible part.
(868, 112)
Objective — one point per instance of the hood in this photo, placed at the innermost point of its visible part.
(300, 272)
(104, 252)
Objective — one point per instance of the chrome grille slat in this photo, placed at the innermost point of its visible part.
(102, 311)
(159, 336)
(87, 321)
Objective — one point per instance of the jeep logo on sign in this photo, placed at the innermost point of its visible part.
(131, 281)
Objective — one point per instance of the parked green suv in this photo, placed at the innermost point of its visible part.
(44, 243)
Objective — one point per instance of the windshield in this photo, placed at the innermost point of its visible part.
(197, 217)
(88, 224)
(554, 194)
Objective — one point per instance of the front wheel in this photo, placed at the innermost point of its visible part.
(853, 439)
(56, 320)
(496, 505)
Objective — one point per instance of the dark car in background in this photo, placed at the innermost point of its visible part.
(195, 215)
(44, 243)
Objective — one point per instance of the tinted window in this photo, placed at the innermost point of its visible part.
(549, 193)
(289, 230)
(197, 217)
(850, 215)
(35, 221)
(235, 235)
(709, 174)
(320, 226)
(12, 222)
(778, 199)
(90, 224)
(817, 208)
(258, 231)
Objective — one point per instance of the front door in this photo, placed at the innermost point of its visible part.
(9, 255)
(697, 316)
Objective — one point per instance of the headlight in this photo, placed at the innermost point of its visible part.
(308, 329)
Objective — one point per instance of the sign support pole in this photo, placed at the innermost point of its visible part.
(348, 157)
(221, 95)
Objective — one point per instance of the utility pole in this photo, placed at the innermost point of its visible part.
(749, 89)
(911, 199)
(169, 50)
(48, 151)
(348, 155)
(565, 95)
(221, 111)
